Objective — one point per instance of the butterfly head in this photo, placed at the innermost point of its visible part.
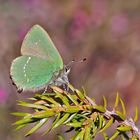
(66, 70)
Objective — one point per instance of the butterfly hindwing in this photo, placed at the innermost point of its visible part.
(30, 72)
(38, 43)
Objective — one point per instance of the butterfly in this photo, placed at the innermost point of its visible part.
(40, 64)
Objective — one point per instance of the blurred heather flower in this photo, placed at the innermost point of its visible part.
(33, 3)
(119, 24)
(80, 19)
(22, 32)
(78, 25)
(3, 95)
(99, 12)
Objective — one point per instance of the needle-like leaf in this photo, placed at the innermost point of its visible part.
(37, 126)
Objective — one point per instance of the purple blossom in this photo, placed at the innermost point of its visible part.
(80, 19)
(3, 95)
(22, 32)
(79, 23)
(119, 24)
(99, 12)
(33, 3)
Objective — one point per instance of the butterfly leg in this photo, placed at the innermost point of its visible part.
(45, 90)
(65, 87)
(66, 83)
(62, 82)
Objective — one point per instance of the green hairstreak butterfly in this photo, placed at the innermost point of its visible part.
(40, 63)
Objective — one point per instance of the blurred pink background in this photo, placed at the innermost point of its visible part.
(106, 32)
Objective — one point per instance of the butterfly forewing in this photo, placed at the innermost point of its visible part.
(38, 43)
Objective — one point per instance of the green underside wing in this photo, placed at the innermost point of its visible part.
(39, 62)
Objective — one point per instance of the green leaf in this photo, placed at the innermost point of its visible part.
(123, 107)
(71, 87)
(79, 135)
(82, 116)
(70, 118)
(101, 121)
(115, 135)
(121, 115)
(116, 101)
(134, 137)
(105, 136)
(136, 114)
(60, 137)
(20, 114)
(72, 109)
(100, 108)
(86, 113)
(32, 105)
(37, 126)
(105, 102)
(122, 137)
(48, 94)
(124, 128)
(72, 138)
(84, 91)
(32, 98)
(43, 114)
(75, 124)
(49, 99)
(61, 120)
(73, 99)
(25, 121)
(55, 121)
(95, 128)
(87, 133)
(108, 124)
(20, 126)
(63, 98)
(80, 94)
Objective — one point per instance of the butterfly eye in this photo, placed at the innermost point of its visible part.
(67, 70)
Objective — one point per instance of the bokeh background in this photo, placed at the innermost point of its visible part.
(106, 32)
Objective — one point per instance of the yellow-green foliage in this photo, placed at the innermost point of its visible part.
(80, 113)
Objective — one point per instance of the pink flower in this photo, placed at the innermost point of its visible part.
(78, 25)
(80, 19)
(33, 3)
(3, 96)
(99, 12)
(119, 24)
(22, 32)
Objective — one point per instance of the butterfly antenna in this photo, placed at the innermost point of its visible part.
(75, 61)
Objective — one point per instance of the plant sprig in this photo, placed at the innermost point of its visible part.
(80, 113)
